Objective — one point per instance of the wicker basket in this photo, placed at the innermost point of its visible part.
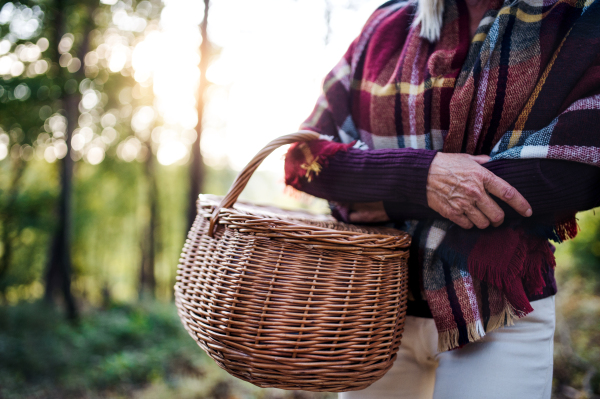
(289, 299)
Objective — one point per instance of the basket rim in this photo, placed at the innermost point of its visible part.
(294, 225)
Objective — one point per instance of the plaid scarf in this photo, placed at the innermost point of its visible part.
(527, 85)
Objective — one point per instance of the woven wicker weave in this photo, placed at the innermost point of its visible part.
(290, 299)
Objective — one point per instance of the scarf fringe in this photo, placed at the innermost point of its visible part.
(449, 340)
(501, 277)
(558, 232)
(531, 257)
(506, 318)
(305, 160)
(566, 230)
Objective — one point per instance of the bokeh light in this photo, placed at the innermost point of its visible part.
(262, 85)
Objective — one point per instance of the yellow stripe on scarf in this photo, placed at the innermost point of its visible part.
(530, 18)
(392, 89)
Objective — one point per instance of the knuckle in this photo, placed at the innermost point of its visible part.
(459, 204)
(509, 192)
(483, 175)
(457, 212)
(473, 193)
(470, 210)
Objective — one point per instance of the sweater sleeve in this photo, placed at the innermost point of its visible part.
(395, 175)
(552, 187)
(398, 177)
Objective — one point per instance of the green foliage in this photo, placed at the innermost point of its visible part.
(123, 351)
(27, 223)
(60, 62)
(123, 346)
(585, 250)
(577, 337)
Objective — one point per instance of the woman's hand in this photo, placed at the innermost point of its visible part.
(368, 212)
(458, 187)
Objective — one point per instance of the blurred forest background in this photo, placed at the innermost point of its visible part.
(114, 115)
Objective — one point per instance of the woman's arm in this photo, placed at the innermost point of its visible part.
(552, 187)
(457, 185)
(373, 175)
(398, 177)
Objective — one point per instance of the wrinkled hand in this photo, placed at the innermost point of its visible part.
(458, 187)
(368, 212)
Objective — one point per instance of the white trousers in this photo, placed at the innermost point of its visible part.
(513, 362)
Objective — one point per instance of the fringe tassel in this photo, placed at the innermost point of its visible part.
(449, 340)
(475, 331)
(558, 232)
(567, 229)
(501, 277)
(304, 161)
(534, 274)
(312, 168)
(506, 318)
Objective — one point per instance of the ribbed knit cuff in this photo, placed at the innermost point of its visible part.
(398, 175)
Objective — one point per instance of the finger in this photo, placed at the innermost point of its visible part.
(358, 217)
(507, 193)
(456, 216)
(368, 217)
(448, 212)
(480, 159)
(477, 217)
(491, 210)
(462, 221)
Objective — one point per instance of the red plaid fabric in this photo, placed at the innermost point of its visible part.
(527, 85)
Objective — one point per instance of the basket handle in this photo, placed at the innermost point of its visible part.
(242, 179)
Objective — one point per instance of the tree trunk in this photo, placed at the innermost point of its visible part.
(196, 164)
(147, 286)
(59, 267)
(58, 274)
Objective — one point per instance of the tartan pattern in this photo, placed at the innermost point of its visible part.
(526, 86)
